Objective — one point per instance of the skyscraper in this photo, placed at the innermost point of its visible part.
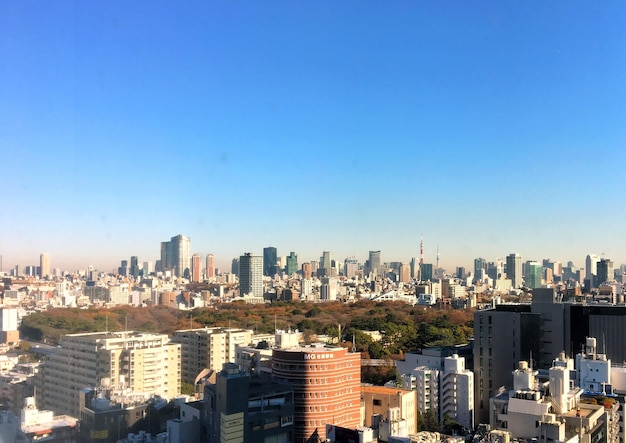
(44, 265)
(176, 256)
(181, 255)
(427, 272)
(196, 268)
(292, 264)
(270, 256)
(325, 265)
(251, 274)
(605, 271)
(210, 266)
(514, 269)
(532, 277)
(375, 265)
(480, 267)
(134, 266)
(591, 264)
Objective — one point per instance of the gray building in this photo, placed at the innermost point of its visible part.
(245, 409)
(251, 274)
(538, 333)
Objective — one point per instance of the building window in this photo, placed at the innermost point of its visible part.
(377, 402)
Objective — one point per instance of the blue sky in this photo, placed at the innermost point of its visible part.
(490, 127)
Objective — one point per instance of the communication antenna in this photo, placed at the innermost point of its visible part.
(437, 256)
(421, 257)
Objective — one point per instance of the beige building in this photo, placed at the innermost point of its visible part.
(137, 361)
(378, 400)
(208, 348)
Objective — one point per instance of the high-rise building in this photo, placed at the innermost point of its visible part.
(134, 266)
(605, 271)
(176, 256)
(351, 267)
(44, 265)
(196, 268)
(251, 275)
(210, 266)
(137, 361)
(591, 263)
(123, 269)
(181, 254)
(404, 274)
(532, 276)
(292, 264)
(480, 264)
(306, 271)
(375, 267)
(426, 271)
(208, 348)
(270, 257)
(514, 269)
(325, 265)
(326, 382)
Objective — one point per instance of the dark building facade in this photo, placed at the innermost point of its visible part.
(537, 333)
(246, 409)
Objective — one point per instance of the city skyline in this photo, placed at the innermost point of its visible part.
(491, 129)
(224, 263)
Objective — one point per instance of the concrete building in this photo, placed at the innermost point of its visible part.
(208, 348)
(552, 411)
(327, 387)
(9, 333)
(251, 275)
(378, 400)
(137, 361)
(44, 265)
(238, 408)
(456, 392)
(539, 331)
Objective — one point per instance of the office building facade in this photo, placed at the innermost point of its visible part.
(251, 275)
(244, 409)
(326, 382)
(270, 257)
(514, 270)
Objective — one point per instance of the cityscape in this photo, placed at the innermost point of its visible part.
(543, 343)
(306, 222)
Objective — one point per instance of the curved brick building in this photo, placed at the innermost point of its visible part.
(326, 383)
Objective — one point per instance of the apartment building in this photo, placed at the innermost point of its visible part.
(208, 348)
(135, 361)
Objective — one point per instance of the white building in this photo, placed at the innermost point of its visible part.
(456, 387)
(137, 361)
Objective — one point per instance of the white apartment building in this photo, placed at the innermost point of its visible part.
(136, 361)
(208, 348)
(456, 392)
